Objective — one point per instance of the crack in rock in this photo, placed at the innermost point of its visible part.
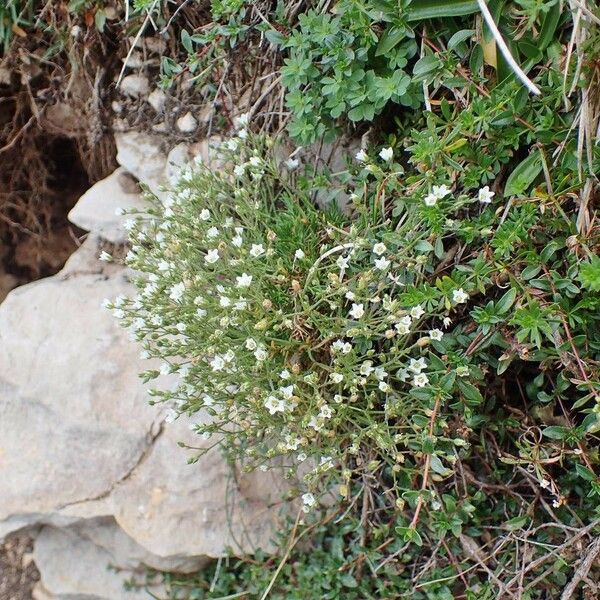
(151, 438)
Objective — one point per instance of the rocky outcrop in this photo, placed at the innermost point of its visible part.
(84, 460)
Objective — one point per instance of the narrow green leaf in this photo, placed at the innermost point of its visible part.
(555, 432)
(460, 36)
(549, 26)
(506, 301)
(435, 9)
(516, 523)
(585, 473)
(523, 175)
(391, 37)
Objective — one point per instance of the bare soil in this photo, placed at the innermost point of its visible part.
(18, 573)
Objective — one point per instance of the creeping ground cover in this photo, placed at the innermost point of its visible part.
(412, 340)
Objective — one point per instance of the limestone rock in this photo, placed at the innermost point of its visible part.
(79, 442)
(157, 100)
(72, 566)
(187, 123)
(97, 209)
(142, 156)
(135, 85)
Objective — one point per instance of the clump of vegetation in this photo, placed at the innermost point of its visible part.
(430, 355)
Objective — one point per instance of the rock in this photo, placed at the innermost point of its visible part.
(80, 448)
(97, 209)
(187, 123)
(134, 61)
(160, 127)
(135, 86)
(142, 156)
(96, 573)
(157, 100)
(178, 157)
(117, 107)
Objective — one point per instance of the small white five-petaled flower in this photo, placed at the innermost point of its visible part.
(244, 280)
(362, 156)
(357, 311)
(485, 195)
(212, 256)
(460, 296)
(379, 248)
(386, 154)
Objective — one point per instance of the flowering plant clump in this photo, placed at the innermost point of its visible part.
(301, 333)
(375, 348)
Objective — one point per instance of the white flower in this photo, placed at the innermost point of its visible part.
(460, 296)
(342, 262)
(326, 412)
(274, 405)
(403, 326)
(105, 256)
(430, 200)
(256, 250)
(462, 371)
(212, 256)
(416, 366)
(239, 170)
(362, 156)
(129, 224)
(287, 392)
(416, 312)
(260, 353)
(240, 304)
(386, 154)
(440, 191)
(447, 321)
(346, 348)
(237, 241)
(181, 327)
(309, 501)
(350, 295)
(217, 363)
(232, 144)
(337, 345)
(302, 457)
(299, 254)
(380, 373)
(383, 386)
(201, 312)
(366, 368)
(119, 211)
(285, 374)
(177, 291)
(336, 377)
(382, 263)
(485, 195)
(242, 120)
(224, 301)
(251, 344)
(436, 334)
(292, 163)
(244, 280)
(255, 161)
(403, 374)
(205, 214)
(379, 248)
(213, 232)
(420, 380)
(544, 484)
(357, 311)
